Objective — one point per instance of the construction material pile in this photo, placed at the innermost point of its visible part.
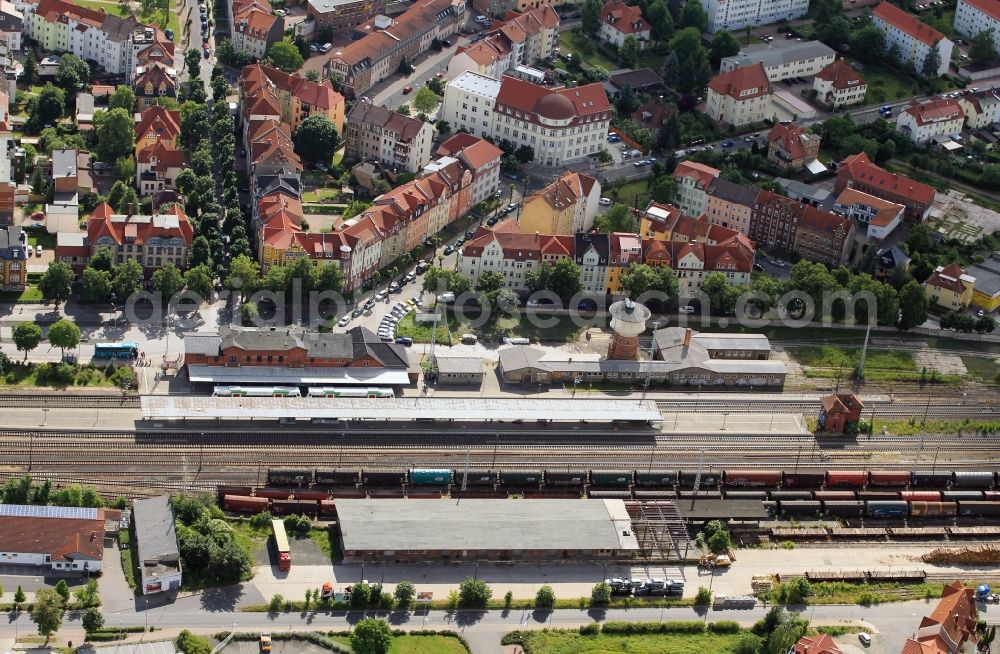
(986, 554)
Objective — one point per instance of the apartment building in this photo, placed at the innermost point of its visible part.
(619, 20)
(773, 220)
(839, 85)
(157, 123)
(152, 83)
(521, 40)
(150, 47)
(663, 222)
(255, 28)
(791, 146)
(949, 287)
(783, 58)
(565, 207)
(911, 39)
(924, 121)
(981, 109)
(693, 180)
(481, 158)
(880, 217)
(512, 254)
(739, 97)
(97, 36)
(13, 260)
(823, 237)
(399, 142)
(502, 7)
(857, 171)
(468, 103)
(730, 204)
(693, 262)
(290, 96)
(591, 252)
(270, 151)
(735, 15)
(338, 14)
(157, 166)
(388, 41)
(11, 25)
(975, 16)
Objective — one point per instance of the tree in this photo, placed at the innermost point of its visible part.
(122, 98)
(30, 67)
(693, 71)
(103, 259)
(835, 33)
(561, 277)
(312, 76)
(329, 277)
(665, 190)
(199, 280)
(982, 46)
(127, 279)
(474, 593)
(244, 275)
(545, 598)
(249, 313)
(47, 611)
(115, 135)
(124, 168)
(96, 284)
(932, 61)
(285, 56)
(371, 636)
(62, 588)
(92, 620)
(660, 20)
(640, 278)
(693, 15)
(403, 110)
(404, 594)
(629, 52)
(868, 44)
(721, 294)
(73, 73)
(50, 107)
(19, 596)
(189, 643)
(912, 305)
(986, 324)
(591, 18)
(424, 100)
(618, 219)
(316, 139)
(26, 337)
(192, 60)
(64, 334)
(524, 154)
(201, 252)
(56, 283)
(672, 69)
(168, 281)
(601, 594)
(122, 197)
(724, 45)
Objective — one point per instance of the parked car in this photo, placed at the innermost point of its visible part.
(404, 340)
(370, 303)
(728, 143)
(605, 202)
(407, 90)
(343, 321)
(357, 312)
(686, 309)
(448, 249)
(394, 288)
(865, 639)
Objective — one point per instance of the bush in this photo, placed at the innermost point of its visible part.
(188, 643)
(639, 628)
(704, 596)
(474, 594)
(106, 636)
(545, 598)
(508, 599)
(591, 629)
(124, 378)
(724, 627)
(404, 594)
(601, 594)
(360, 594)
(261, 520)
(277, 603)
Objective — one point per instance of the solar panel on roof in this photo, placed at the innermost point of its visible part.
(32, 511)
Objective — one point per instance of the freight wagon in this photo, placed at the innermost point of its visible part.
(477, 478)
(788, 495)
(888, 478)
(241, 504)
(804, 479)
(940, 480)
(656, 478)
(709, 479)
(977, 508)
(610, 478)
(844, 508)
(799, 508)
(325, 477)
(521, 478)
(846, 478)
(745, 494)
(383, 478)
(430, 477)
(886, 509)
(565, 478)
(920, 509)
(289, 476)
(747, 478)
(981, 480)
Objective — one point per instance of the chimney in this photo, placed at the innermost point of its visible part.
(687, 337)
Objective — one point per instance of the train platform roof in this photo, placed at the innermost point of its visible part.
(278, 375)
(709, 509)
(470, 409)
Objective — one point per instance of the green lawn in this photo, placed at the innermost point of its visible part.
(327, 541)
(43, 238)
(886, 84)
(128, 565)
(563, 330)
(982, 367)
(417, 644)
(567, 642)
(830, 356)
(41, 375)
(421, 332)
(113, 8)
(627, 193)
(29, 294)
(588, 51)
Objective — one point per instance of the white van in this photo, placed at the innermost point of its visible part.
(326, 47)
(469, 339)
(446, 298)
(518, 341)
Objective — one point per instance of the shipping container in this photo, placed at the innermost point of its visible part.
(289, 476)
(888, 478)
(430, 477)
(878, 496)
(974, 508)
(273, 493)
(745, 494)
(835, 496)
(572, 478)
(790, 495)
(520, 478)
(843, 508)
(938, 480)
(920, 496)
(978, 479)
(800, 508)
(850, 478)
(328, 477)
(242, 504)
(803, 479)
(709, 478)
(746, 478)
(886, 509)
(921, 509)
(281, 545)
(476, 478)
(610, 478)
(656, 478)
(383, 478)
(961, 495)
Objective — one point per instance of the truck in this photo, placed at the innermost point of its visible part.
(265, 642)
(281, 545)
(715, 561)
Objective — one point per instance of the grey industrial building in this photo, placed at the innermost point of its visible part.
(411, 530)
(783, 59)
(156, 542)
(459, 371)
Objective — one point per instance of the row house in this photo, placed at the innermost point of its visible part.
(13, 259)
(791, 146)
(520, 40)
(511, 254)
(11, 25)
(857, 171)
(150, 67)
(663, 222)
(981, 109)
(840, 85)
(294, 97)
(153, 82)
(153, 241)
(880, 217)
(693, 180)
(625, 249)
(729, 204)
(566, 206)
(972, 17)
(619, 20)
(386, 42)
(398, 142)
(693, 262)
(94, 35)
(255, 27)
(270, 150)
(481, 158)
(930, 120)
(337, 14)
(739, 97)
(801, 228)
(911, 39)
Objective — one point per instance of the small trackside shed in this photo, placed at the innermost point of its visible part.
(408, 530)
(156, 541)
(460, 371)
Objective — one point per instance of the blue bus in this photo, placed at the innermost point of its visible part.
(116, 351)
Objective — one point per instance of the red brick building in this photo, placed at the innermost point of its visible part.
(858, 171)
(840, 410)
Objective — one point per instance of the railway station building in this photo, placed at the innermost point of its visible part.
(406, 530)
(55, 538)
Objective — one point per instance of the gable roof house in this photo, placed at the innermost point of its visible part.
(619, 20)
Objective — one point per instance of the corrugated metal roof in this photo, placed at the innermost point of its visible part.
(31, 511)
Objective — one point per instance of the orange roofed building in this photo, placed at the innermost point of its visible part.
(294, 97)
(818, 644)
(949, 626)
(739, 97)
(858, 171)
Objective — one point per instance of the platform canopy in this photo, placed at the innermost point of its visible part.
(473, 409)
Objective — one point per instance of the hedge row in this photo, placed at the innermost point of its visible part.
(323, 638)
(104, 636)
(630, 628)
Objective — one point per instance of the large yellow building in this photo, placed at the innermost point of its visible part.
(564, 207)
(949, 287)
(986, 294)
(292, 97)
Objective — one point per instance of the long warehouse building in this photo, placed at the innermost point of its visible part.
(404, 530)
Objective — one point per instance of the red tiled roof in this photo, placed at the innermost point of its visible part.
(818, 220)
(791, 138)
(841, 76)
(623, 18)
(474, 151)
(155, 76)
(935, 111)
(517, 27)
(989, 7)
(700, 172)
(907, 23)
(165, 123)
(103, 222)
(487, 51)
(60, 538)
(948, 277)
(372, 46)
(515, 245)
(751, 80)
(860, 168)
(258, 23)
(821, 643)
(166, 157)
(566, 190)
(313, 93)
(887, 211)
(534, 101)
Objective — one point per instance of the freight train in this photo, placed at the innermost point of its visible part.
(730, 482)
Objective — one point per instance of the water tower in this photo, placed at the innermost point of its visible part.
(628, 320)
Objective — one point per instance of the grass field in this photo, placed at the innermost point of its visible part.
(564, 328)
(885, 84)
(327, 541)
(981, 367)
(29, 294)
(567, 642)
(627, 194)
(127, 561)
(830, 356)
(415, 644)
(586, 49)
(112, 7)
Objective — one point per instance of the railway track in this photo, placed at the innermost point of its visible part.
(67, 400)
